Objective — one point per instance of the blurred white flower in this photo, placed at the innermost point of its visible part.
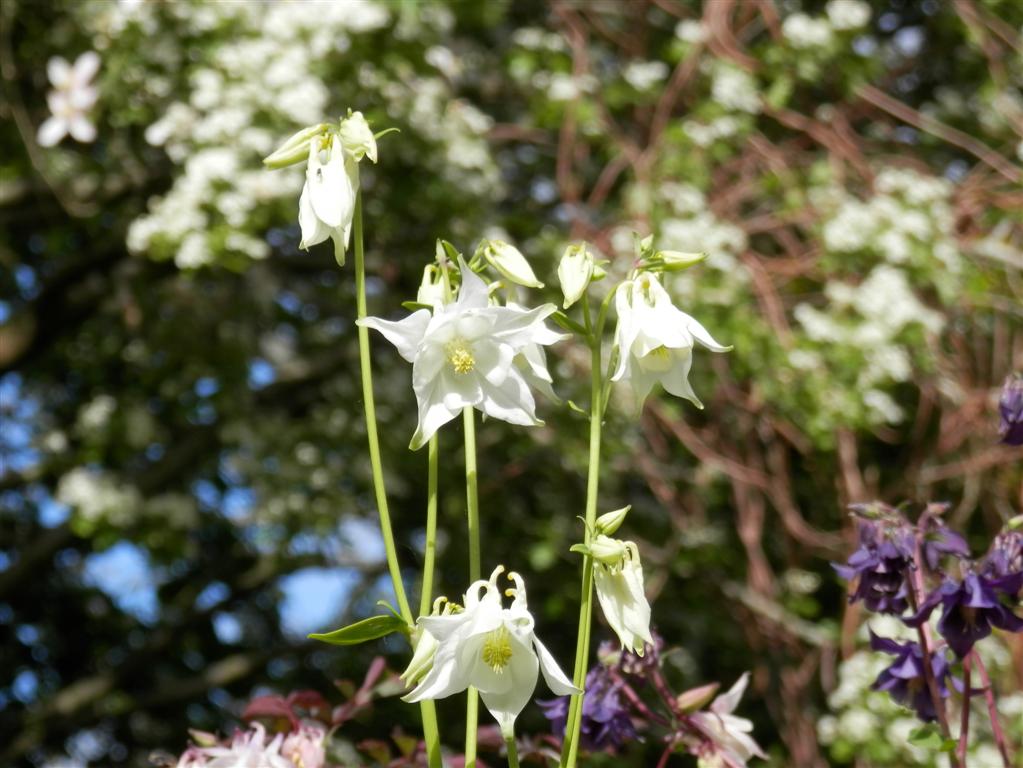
(806, 32)
(729, 733)
(848, 14)
(72, 97)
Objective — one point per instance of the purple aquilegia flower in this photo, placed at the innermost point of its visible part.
(939, 540)
(1010, 406)
(606, 721)
(1005, 556)
(904, 678)
(971, 608)
(881, 561)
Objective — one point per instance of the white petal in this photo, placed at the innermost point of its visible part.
(59, 71)
(83, 98)
(727, 702)
(313, 230)
(458, 391)
(676, 381)
(330, 189)
(81, 129)
(86, 67)
(406, 335)
(556, 680)
(473, 293)
(520, 327)
(494, 361)
(507, 705)
(701, 335)
(51, 131)
(446, 678)
(432, 415)
(511, 402)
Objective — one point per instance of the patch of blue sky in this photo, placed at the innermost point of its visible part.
(314, 598)
(261, 373)
(124, 574)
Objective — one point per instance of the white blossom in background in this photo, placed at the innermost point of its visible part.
(806, 32)
(734, 88)
(691, 31)
(492, 648)
(97, 496)
(463, 354)
(644, 75)
(71, 99)
(848, 14)
(655, 340)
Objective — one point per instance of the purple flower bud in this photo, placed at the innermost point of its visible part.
(939, 539)
(1006, 554)
(1011, 409)
(904, 678)
(881, 561)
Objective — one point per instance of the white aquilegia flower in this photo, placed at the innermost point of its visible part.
(464, 353)
(729, 735)
(72, 97)
(618, 577)
(492, 648)
(655, 340)
(326, 207)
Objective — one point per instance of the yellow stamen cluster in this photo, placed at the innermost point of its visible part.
(460, 357)
(497, 650)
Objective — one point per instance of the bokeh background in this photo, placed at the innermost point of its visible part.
(184, 491)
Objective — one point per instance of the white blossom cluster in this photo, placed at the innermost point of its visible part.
(264, 75)
(869, 724)
(805, 32)
(96, 496)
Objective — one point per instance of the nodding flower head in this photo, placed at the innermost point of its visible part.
(880, 564)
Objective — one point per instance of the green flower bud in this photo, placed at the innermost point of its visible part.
(431, 289)
(606, 550)
(509, 261)
(357, 138)
(609, 522)
(575, 271)
(295, 149)
(677, 261)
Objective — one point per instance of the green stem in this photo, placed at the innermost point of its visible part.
(428, 711)
(472, 505)
(371, 419)
(570, 748)
(426, 597)
(513, 750)
(431, 732)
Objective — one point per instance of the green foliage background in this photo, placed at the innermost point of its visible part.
(179, 377)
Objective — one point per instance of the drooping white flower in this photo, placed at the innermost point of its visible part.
(618, 577)
(730, 734)
(463, 354)
(327, 204)
(72, 97)
(492, 648)
(655, 340)
(575, 272)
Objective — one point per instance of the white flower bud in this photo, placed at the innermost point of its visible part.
(431, 289)
(357, 137)
(295, 149)
(575, 271)
(509, 261)
(609, 522)
(606, 550)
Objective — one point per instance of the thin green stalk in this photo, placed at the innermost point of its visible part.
(427, 709)
(371, 419)
(426, 597)
(570, 747)
(472, 505)
(513, 750)
(431, 732)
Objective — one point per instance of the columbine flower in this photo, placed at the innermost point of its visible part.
(729, 734)
(306, 747)
(326, 207)
(1010, 407)
(248, 748)
(971, 608)
(655, 340)
(618, 577)
(884, 555)
(72, 97)
(492, 648)
(606, 721)
(463, 354)
(904, 679)
(425, 644)
(1005, 557)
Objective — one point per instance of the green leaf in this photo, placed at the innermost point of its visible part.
(927, 737)
(412, 306)
(363, 631)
